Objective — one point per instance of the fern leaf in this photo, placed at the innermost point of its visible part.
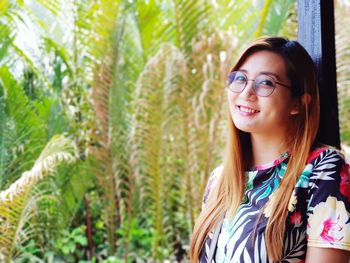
(15, 207)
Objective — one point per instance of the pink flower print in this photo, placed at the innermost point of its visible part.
(345, 181)
(296, 219)
(331, 230)
(329, 222)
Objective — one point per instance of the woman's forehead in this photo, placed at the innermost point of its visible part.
(264, 61)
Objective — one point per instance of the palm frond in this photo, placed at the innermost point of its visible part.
(23, 128)
(110, 127)
(6, 41)
(3, 139)
(212, 58)
(22, 21)
(158, 83)
(238, 16)
(15, 207)
(51, 5)
(263, 16)
(182, 21)
(278, 14)
(289, 27)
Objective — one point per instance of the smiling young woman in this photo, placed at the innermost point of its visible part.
(279, 195)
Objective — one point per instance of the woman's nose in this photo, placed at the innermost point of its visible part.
(248, 92)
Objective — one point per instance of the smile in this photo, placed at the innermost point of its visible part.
(246, 109)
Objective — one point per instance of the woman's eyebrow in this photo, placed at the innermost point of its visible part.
(269, 73)
(262, 72)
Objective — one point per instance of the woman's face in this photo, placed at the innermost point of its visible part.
(263, 115)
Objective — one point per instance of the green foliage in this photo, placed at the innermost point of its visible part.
(277, 17)
(17, 204)
(138, 238)
(70, 241)
(23, 128)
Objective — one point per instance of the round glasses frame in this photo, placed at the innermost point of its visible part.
(263, 85)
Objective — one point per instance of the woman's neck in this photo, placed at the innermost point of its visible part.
(267, 148)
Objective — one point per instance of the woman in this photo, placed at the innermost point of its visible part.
(279, 195)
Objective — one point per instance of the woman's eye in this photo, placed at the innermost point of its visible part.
(240, 78)
(266, 82)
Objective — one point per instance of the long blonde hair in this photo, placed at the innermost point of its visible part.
(228, 193)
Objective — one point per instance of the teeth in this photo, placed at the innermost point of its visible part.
(244, 109)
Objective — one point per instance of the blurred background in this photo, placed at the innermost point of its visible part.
(113, 114)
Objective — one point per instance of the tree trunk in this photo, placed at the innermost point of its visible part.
(89, 228)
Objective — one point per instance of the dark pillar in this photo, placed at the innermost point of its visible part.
(316, 34)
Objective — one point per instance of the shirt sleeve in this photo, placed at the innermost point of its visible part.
(212, 181)
(328, 211)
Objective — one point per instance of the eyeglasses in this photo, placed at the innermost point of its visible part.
(263, 85)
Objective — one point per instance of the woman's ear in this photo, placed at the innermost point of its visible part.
(300, 103)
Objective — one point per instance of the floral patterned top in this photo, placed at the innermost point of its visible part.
(318, 211)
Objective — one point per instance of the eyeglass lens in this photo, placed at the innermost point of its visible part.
(263, 85)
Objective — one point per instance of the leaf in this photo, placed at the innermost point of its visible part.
(16, 205)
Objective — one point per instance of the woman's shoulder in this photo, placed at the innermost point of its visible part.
(324, 164)
(212, 181)
(327, 168)
(325, 153)
(216, 173)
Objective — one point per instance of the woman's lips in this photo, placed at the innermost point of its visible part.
(246, 111)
